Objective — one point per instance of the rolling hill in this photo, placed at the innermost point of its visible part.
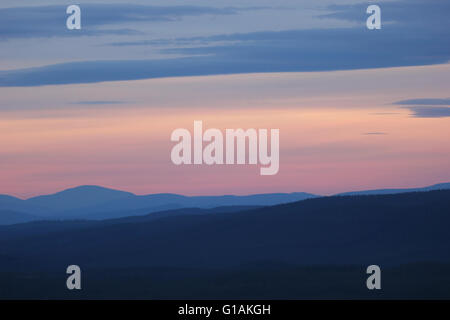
(97, 203)
(290, 250)
(439, 186)
(389, 229)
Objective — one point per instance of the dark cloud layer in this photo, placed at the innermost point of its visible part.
(427, 107)
(396, 44)
(429, 111)
(411, 14)
(50, 21)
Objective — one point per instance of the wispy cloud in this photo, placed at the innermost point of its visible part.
(406, 13)
(284, 51)
(425, 101)
(49, 21)
(374, 133)
(271, 51)
(429, 111)
(427, 107)
(98, 102)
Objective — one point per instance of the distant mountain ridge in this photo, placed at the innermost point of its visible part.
(78, 197)
(348, 230)
(317, 247)
(439, 186)
(95, 202)
(98, 203)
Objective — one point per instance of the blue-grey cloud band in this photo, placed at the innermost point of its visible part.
(412, 39)
(49, 21)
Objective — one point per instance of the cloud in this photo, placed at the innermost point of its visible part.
(283, 51)
(383, 113)
(50, 21)
(98, 102)
(374, 133)
(429, 111)
(411, 14)
(425, 101)
(395, 45)
(427, 107)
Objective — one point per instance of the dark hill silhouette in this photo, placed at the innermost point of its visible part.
(12, 217)
(293, 248)
(43, 227)
(439, 186)
(388, 229)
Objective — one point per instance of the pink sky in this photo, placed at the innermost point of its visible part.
(49, 143)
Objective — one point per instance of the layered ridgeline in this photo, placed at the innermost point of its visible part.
(94, 202)
(312, 248)
(439, 186)
(97, 203)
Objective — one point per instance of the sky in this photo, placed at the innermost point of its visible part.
(357, 109)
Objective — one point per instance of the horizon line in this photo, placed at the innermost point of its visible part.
(220, 195)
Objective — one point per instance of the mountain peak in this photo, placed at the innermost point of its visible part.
(78, 197)
(91, 188)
